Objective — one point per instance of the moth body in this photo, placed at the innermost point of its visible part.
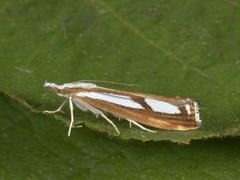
(171, 113)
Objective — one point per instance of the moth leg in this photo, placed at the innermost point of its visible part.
(130, 124)
(59, 109)
(96, 112)
(140, 126)
(108, 120)
(72, 117)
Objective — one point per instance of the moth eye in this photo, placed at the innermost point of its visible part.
(61, 91)
(65, 91)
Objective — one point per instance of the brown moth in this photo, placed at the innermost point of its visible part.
(171, 113)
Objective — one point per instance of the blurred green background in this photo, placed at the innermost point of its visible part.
(172, 48)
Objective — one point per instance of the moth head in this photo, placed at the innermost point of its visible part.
(54, 87)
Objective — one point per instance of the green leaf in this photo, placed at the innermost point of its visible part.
(36, 147)
(171, 48)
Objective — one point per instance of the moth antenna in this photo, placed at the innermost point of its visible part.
(107, 82)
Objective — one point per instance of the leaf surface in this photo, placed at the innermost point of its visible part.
(34, 146)
(171, 48)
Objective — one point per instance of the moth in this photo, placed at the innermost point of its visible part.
(171, 113)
